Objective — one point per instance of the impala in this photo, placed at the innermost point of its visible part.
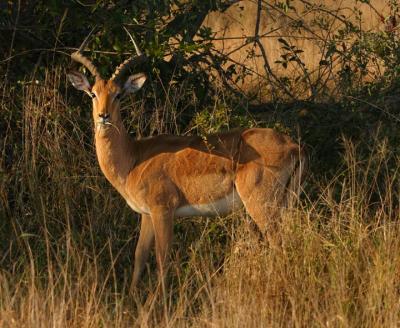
(170, 176)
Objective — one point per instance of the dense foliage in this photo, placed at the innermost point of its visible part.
(39, 34)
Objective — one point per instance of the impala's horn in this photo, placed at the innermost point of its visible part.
(122, 70)
(80, 58)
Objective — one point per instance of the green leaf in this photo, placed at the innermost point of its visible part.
(283, 41)
(117, 47)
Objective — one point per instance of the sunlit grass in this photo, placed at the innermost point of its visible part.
(67, 241)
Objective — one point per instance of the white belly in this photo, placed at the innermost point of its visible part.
(222, 206)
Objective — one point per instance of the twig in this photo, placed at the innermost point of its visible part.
(256, 32)
(59, 30)
(12, 41)
(61, 51)
(267, 66)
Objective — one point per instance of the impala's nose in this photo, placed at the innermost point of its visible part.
(104, 118)
(105, 115)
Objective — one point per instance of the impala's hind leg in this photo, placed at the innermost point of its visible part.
(262, 192)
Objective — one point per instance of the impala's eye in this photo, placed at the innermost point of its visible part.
(92, 95)
(118, 96)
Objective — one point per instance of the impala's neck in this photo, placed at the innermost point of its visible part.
(114, 149)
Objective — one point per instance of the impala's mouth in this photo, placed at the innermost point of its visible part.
(103, 124)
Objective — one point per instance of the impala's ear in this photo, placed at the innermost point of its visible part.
(134, 82)
(79, 81)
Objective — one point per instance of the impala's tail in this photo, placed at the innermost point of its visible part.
(294, 184)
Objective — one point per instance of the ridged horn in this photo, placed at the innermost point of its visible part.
(123, 69)
(80, 58)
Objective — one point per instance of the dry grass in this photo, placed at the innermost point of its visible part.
(67, 241)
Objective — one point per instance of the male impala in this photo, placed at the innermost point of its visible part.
(171, 176)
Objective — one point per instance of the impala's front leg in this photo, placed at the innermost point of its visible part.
(162, 219)
(143, 246)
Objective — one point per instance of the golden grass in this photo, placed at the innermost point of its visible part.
(67, 241)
